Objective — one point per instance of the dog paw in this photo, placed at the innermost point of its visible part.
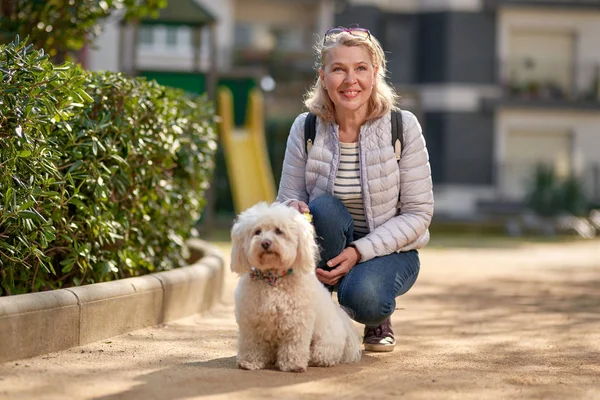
(291, 368)
(249, 365)
(322, 363)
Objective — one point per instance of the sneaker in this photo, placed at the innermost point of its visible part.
(380, 338)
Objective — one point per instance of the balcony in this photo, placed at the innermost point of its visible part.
(531, 83)
(572, 4)
(515, 179)
(285, 52)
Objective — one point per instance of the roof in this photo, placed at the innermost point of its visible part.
(182, 12)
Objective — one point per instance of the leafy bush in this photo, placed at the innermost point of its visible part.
(101, 176)
(550, 196)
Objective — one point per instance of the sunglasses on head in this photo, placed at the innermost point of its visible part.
(356, 31)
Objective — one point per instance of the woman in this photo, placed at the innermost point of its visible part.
(371, 212)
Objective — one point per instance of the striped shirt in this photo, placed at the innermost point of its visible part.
(347, 187)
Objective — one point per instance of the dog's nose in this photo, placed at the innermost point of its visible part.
(266, 244)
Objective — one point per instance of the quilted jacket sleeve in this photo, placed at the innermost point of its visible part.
(292, 185)
(416, 200)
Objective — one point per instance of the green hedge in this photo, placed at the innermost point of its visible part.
(101, 176)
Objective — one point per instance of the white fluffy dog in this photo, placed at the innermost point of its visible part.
(285, 315)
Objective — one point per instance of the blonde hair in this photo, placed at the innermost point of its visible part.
(383, 98)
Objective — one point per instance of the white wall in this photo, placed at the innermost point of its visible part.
(282, 13)
(326, 16)
(423, 5)
(455, 97)
(460, 201)
(224, 12)
(104, 53)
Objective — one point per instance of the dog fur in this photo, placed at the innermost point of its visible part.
(295, 323)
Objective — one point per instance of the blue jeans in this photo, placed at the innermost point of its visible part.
(370, 289)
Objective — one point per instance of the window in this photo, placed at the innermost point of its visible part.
(243, 35)
(146, 35)
(541, 62)
(171, 36)
(290, 39)
(254, 36)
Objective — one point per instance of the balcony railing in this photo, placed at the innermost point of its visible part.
(553, 82)
(491, 4)
(515, 179)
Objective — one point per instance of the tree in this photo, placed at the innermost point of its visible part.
(61, 27)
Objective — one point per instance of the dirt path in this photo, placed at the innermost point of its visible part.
(517, 322)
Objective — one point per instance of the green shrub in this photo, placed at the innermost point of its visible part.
(550, 196)
(542, 194)
(101, 176)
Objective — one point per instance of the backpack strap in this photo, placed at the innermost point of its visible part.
(310, 130)
(397, 133)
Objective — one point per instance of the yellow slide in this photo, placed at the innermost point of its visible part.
(246, 157)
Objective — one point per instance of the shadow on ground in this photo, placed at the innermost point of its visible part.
(221, 376)
(493, 306)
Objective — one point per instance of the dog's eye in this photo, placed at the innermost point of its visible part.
(278, 231)
(257, 232)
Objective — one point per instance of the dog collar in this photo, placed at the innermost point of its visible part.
(271, 276)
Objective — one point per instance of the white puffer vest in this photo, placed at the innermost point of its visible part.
(395, 223)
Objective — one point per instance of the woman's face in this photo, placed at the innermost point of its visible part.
(348, 76)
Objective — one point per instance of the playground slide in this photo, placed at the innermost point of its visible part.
(246, 157)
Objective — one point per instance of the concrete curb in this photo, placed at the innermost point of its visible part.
(45, 322)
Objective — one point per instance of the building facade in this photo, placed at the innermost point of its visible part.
(255, 39)
(502, 86)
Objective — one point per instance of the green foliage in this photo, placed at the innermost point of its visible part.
(550, 196)
(60, 26)
(571, 197)
(101, 176)
(542, 198)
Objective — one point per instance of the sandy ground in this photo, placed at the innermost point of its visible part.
(514, 322)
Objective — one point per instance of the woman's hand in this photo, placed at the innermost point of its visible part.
(299, 205)
(342, 264)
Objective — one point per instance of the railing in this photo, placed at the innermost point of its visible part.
(514, 180)
(566, 3)
(591, 183)
(549, 80)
